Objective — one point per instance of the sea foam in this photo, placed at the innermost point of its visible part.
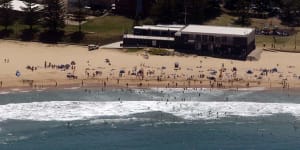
(191, 110)
(4, 92)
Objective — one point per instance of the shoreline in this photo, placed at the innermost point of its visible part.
(135, 84)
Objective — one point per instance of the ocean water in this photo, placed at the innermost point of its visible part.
(149, 119)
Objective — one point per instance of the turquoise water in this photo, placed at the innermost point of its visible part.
(152, 119)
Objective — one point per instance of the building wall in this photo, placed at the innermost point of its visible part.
(154, 33)
(128, 42)
(216, 45)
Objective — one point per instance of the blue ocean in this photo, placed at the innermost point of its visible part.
(149, 119)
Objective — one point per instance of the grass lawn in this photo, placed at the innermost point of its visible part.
(17, 29)
(100, 30)
(103, 30)
(157, 51)
(134, 50)
(223, 20)
(109, 25)
(281, 43)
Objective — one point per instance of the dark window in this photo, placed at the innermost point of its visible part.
(211, 39)
(224, 39)
(240, 41)
(185, 37)
(198, 37)
(218, 40)
(192, 37)
(204, 38)
(137, 32)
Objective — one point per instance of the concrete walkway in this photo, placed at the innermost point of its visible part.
(255, 55)
(116, 45)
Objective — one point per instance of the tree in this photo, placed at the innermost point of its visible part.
(187, 11)
(32, 13)
(230, 4)
(54, 15)
(242, 9)
(291, 13)
(6, 18)
(79, 14)
(168, 11)
(194, 9)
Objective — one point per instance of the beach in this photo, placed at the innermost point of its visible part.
(36, 65)
(64, 96)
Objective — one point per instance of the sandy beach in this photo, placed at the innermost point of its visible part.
(36, 65)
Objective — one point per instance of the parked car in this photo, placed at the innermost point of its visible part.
(93, 47)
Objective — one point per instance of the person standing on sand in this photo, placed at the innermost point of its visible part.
(0, 83)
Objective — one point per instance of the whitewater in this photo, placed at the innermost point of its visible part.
(148, 119)
(189, 110)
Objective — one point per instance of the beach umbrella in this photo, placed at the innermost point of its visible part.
(211, 78)
(67, 66)
(141, 71)
(98, 72)
(18, 73)
(274, 70)
(122, 71)
(61, 66)
(69, 75)
(73, 63)
(234, 69)
(163, 67)
(213, 72)
(249, 72)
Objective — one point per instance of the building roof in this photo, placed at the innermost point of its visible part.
(158, 28)
(221, 30)
(171, 26)
(131, 36)
(18, 5)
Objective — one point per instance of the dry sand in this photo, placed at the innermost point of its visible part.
(22, 54)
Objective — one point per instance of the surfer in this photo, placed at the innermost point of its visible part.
(69, 125)
(227, 99)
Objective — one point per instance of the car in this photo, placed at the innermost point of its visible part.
(93, 47)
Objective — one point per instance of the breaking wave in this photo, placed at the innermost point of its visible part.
(191, 110)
